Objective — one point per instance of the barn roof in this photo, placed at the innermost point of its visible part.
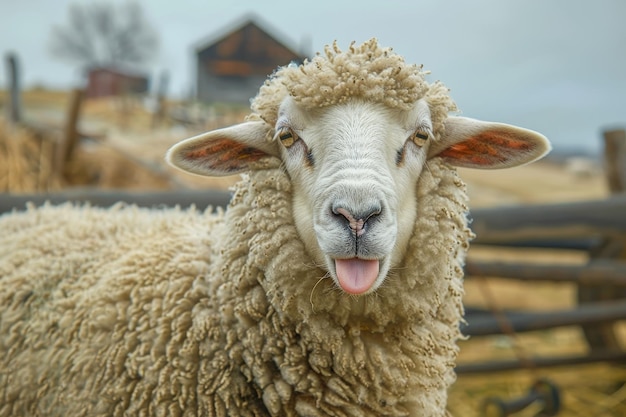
(246, 47)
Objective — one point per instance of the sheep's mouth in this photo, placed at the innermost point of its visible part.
(357, 276)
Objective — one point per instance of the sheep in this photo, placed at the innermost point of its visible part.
(331, 286)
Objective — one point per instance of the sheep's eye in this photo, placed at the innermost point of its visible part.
(287, 137)
(419, 137)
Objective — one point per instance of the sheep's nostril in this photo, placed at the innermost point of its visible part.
(342, 212)
(357, 222)
(374, 213)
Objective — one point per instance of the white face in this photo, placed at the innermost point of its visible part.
(354, 169)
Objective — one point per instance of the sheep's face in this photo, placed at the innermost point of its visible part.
(354, 167)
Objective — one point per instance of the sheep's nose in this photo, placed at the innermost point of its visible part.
(357, 220)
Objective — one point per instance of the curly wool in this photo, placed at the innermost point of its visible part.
(368, 72)
(388, 353)
(96, 307)
(128, 311)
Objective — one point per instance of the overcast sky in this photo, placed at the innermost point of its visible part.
(556, 66)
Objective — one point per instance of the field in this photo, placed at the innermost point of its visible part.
(125, 150)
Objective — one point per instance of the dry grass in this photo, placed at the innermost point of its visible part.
(128, 152)
(28, 150)
(589, 390)
(541, 182)
(26, 161)
(27, 165)
(586, 391)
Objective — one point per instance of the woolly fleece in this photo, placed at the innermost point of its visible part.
(367, 71)
(129, 311)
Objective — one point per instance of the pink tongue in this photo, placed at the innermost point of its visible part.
(356, 275)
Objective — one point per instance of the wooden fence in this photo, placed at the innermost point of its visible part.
(201, 199)
(597, 227)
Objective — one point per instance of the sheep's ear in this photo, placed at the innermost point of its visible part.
(227, 151)
(473, 143)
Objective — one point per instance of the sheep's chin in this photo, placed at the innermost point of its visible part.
(358, 276)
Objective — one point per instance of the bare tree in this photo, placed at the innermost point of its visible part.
(102, 34)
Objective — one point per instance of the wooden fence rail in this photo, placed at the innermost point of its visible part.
(597, 227)
(102, 198)
(607, 355)
(597, 272)
(520, 322)
(550, 224)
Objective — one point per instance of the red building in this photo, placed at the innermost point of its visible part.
(109, 81)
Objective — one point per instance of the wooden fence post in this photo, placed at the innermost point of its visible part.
(160, 111)
(70, 134)
(615, 159)
(13, 76)
(603, 336)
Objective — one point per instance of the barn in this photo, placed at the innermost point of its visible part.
(232, 65)
(113, 81)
